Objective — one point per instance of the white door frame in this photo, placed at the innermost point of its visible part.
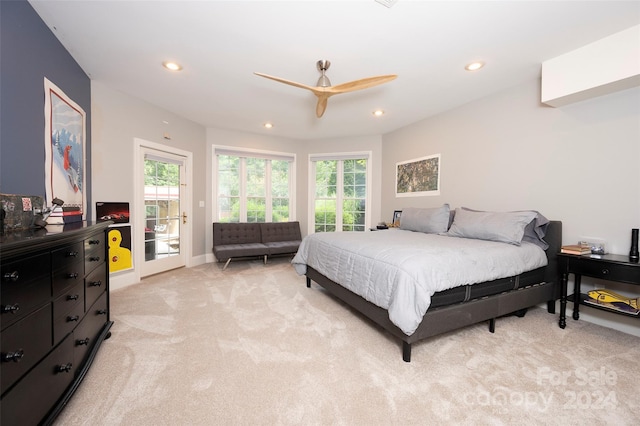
(138, 209)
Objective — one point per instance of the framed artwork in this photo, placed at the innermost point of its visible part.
(64, 141)
(396, 218)
(418, 177)
(117, 212)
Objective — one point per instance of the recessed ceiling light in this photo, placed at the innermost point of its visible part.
(474, 66)
(172, 66)
(378, 113)
(268, 125)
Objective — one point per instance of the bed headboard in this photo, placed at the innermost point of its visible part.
(553, 237)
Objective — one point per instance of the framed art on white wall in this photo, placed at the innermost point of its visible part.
(418, 177)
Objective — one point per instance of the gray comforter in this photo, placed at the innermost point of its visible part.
(400, 270)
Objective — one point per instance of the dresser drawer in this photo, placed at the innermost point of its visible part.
(26, 283)
(68, 299)
(24, 344)
(94, 252)
(87, 332)
(32, 398)
(607, 271)
(68, 267)
(95, 284)
(66, 322)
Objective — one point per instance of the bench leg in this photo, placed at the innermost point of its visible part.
(265, 259)
(308, 282)
(226, 264)
(492, 325)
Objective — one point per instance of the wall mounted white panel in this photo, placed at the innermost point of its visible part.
(605, 66)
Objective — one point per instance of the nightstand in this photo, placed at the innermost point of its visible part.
(610, 267)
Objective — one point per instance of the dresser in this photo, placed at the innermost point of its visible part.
(54, 315)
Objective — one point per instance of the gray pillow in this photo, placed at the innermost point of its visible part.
(505, 227)
(430, 221)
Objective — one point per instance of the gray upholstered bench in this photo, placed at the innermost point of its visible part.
(245, 240)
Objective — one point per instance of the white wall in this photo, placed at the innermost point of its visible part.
(117, 119)
(579, 164)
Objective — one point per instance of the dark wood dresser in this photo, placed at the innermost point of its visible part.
(54, 315)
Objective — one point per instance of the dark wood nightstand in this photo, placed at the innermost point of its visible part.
(610, 267)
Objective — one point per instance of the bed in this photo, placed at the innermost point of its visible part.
(441, 270)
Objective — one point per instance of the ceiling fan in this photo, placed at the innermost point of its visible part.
(324, 90)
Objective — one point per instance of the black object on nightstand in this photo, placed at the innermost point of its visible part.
(610, 267)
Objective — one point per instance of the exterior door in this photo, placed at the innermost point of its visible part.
(164, 213)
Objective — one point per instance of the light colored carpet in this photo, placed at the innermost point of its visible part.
(252, 345)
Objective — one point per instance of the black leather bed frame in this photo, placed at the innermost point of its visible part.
(467, 305)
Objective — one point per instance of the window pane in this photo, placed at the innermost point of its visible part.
(229, 209)
(256, 185)
(255, 209)
(346, 185)
(280, 178)
(228, 176)
(280, 209)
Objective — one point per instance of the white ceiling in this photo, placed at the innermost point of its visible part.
(122, 44)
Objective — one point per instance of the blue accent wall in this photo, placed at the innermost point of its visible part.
(29, 52)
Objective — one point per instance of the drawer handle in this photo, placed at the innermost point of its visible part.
(605, 271)
(94, 259)
(72, 254)
(64, 368)
(13, 356)
(73, 297)
(84, 341)
(94, 242)
(73, 318)
(102, 312)
(11, 276)
(73, 275)
(95, 283)
(10, 309)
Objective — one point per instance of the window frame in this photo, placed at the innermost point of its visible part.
(245, 153)
(340, 157)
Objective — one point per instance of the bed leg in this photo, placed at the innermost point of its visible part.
(521, 313)
(551, 306)
(492, 325)
(406, 351)
(308, 282)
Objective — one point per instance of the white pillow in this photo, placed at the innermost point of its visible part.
(506, 227)
(430, 221)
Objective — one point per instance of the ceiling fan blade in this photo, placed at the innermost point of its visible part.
(289, 82)
(322, 104)
(363, 83)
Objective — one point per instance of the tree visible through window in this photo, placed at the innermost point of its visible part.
(253, 189)
(340, 195)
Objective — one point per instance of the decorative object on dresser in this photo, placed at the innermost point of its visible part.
(53, 319)
(634, 255)
(578, 249)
